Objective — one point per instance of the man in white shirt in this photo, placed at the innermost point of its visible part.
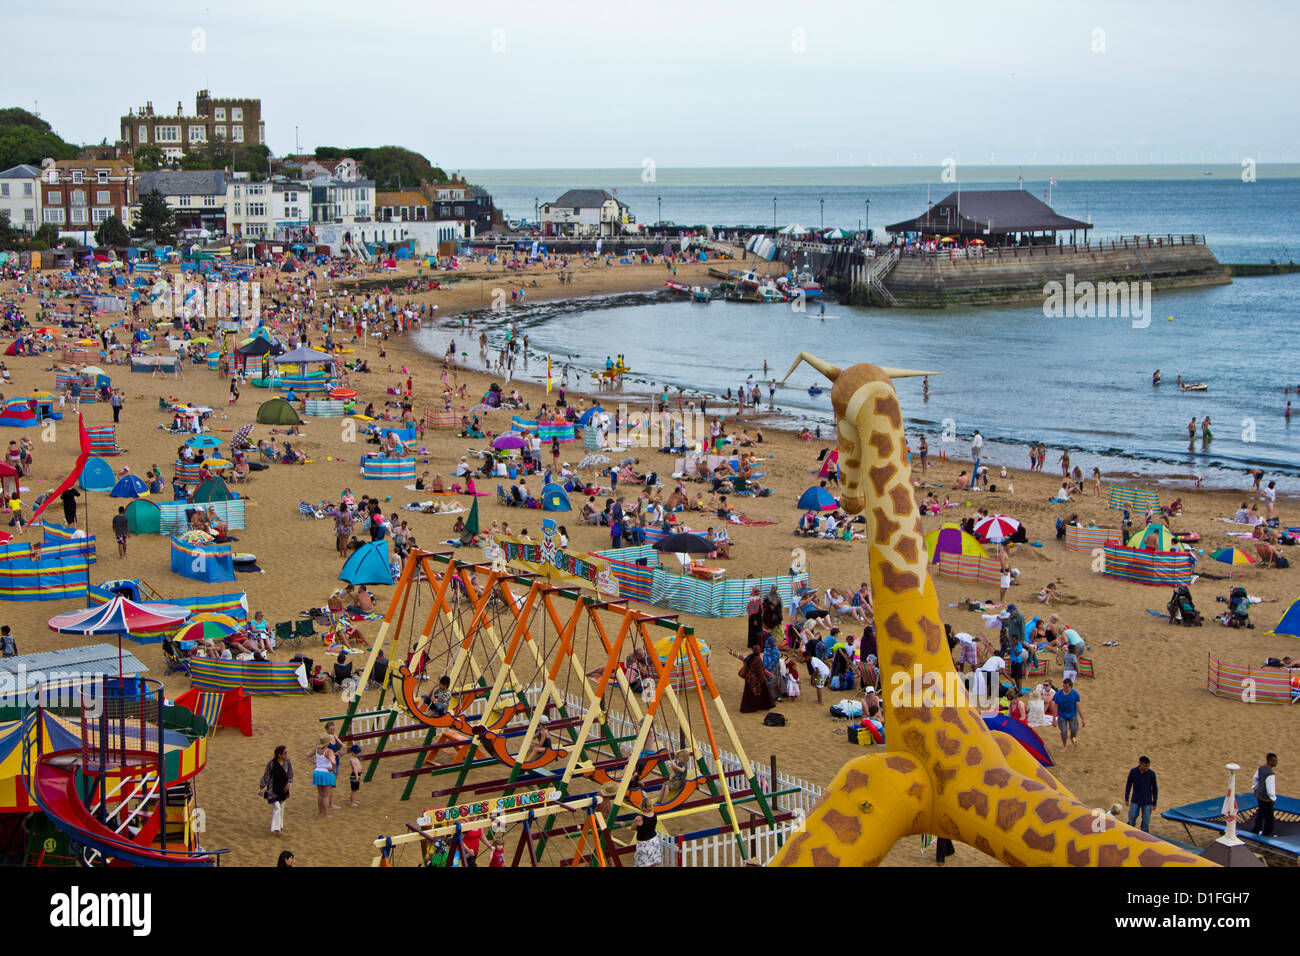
(976, 446)
(991, 669)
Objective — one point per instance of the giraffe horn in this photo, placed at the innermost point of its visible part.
(826, 368)
(905, 373)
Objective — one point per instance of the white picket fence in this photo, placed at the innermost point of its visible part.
(761, 844)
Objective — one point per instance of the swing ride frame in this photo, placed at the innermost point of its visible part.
(484, 638)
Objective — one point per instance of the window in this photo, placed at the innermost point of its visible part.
(236, 209)
(55, 216)
(167, 134)
(172, 152)
(102, 197)
(219, 114)
(54, 197)
(101, 175)
(460, 211)
(29, 214)
(78, 197)
(79, 215)
(4, 189)
(144, 135)
(237, 133)
(236, 114)
(76, 175)
(198, 134)
(99, 215)
(219, 132)
(27, 189)
(257, 209)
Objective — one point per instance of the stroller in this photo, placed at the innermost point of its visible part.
(1238, 614)
(1182, 610)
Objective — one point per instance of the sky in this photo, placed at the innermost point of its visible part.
(493, 84)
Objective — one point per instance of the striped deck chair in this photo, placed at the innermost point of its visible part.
(1085, 667)
(1039, 669)
(210, 709)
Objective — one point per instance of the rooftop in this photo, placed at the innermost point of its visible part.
(190, 182)
(21, 171)
(988, 211)
(586, 198)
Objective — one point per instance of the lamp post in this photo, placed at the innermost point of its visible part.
(867, 220)
(822, 204)
(537, 216)
(774, 214)
(660, 201)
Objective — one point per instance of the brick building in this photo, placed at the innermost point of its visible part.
(79, 194)
(229, 118)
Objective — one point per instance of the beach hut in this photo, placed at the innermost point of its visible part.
(1290, 623)
(143, 517)
(129, 486)
(950, 539)
(277, 411)
(555, 498)
(214, 489)
(368, 564)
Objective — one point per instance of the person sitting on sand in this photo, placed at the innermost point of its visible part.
(1049, 593)
(678, 500)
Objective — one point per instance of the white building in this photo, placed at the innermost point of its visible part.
(587, 212)
(20, 196)
(197, 197)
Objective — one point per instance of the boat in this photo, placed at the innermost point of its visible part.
(814, 390)
(749, 281)
(767, 291)
(802, 283)
(700, 294)
(1193, 387)
(681, 288)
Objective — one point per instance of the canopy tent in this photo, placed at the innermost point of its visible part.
(950, 539)
(555, 498)
(129, 486)
(277, 411)
(120, 616)
(143, 517)
(304, 355)
(214, 489)
(369, 564)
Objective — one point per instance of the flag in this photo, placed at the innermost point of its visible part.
(471, 523)
(1051, 182)
(548, 374)
(73, 475)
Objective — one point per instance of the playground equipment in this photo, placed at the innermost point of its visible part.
(538, 684)
(113, 771)
(944, 772)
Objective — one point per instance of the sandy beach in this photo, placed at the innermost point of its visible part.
(1149, 695)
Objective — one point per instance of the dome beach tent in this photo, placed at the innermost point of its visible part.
(143, 517)
(96, 476)
(129, 486)
(1290, 623)
(214, 489)
(950, 539)
(17, 414)
(277, 411)
(368, 564)
(555, 498)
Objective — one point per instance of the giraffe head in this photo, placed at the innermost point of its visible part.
(850, 390)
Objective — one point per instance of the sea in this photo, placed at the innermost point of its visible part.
(1014, 373)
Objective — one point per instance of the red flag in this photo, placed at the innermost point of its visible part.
(71, 480)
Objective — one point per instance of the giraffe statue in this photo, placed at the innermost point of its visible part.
(943, 771)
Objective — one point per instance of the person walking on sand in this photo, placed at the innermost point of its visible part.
(1096, 482)
(120, 528)
(275, 786)
(1069, 715)
(1264, 785)
(923, 449)
(1140, 793)
(1065, 462)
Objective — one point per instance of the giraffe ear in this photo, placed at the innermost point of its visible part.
(904, 373)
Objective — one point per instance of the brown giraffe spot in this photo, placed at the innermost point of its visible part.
(899, 763)
(951, 715)
(1011, 859)
(902, 660)
(974, 799)
(1144, 837)
(916, 791)
(1033, 786)
(984, 846)
(824, 857)
(1004, 744)
(896, 581)
(1049, 811)
(1048, 779)
(947, 744)
(883, 444)
(915, 743)
(919, 714)
(887, 406)
(907, 548)
(997, 777)
(847, 829)
(942, 778)
(1010, 810)
(853, 462)
(855, 780)
(1082, 823)
(973, 757)
(947, 827)
(793, 850)
(880, 476)
(1045, 842)
(916, 822)
(897, 630)
(933, 633)
(1112, 855)
(1155, 858)
(1077, 857)
(885, 527)
(901, 496)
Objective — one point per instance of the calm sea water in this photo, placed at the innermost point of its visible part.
(1017, 376)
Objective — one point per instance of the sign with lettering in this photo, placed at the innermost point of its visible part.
(557, 564)
(465, 812)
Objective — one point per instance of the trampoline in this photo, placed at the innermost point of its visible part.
(1208, 814)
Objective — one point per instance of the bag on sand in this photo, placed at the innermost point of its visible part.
(774, 720)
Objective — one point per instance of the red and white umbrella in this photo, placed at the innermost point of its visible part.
(996, 528)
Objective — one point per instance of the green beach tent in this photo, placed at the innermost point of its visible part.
(276, 411)
(143, 517)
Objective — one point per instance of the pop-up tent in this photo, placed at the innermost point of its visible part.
(1290, 623)
(368, 565)
(143, 517)
(214, 489)
(555, 498)
(277, 411)
(129, 486)
(17, 414)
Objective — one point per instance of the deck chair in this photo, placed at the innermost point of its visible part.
(516, 497)
(1086, 668)
(284, 634)
(307, 511)
(1037, 670)
(303, 627)
(267, 457)
(502, 497)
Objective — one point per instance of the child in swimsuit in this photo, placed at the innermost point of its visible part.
(354, 760)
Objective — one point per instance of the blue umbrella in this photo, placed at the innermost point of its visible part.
(817, 498)
(204, 441)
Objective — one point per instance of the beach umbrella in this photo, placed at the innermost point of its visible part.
(204, 631)
(120, 616)
(195, 537)
(1153, 536)
(977, 242)
(343, 393)
(508, 441)
(204, 441)
(217, 463)
(218, 618)
(483, 407)
(996, 528)
(241, 436)
(93, 370)
(950, 539)
(47, 331)
(1232, 556)
(817, 498)
(682, 543)
(200, 340)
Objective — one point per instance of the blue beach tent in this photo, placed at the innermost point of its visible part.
(555, 498)
(129, 486)
(368, 564)
(97, 475)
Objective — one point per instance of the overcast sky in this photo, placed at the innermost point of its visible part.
(610, 83)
